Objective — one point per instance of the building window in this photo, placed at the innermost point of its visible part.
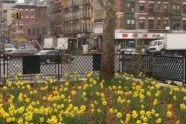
(151, 7)
(130, 23)
(151, 24)
(141, 24)
(165, 23)
(184, 9)
(141, 7)
(29, 32)
(176, 24)
(184, 24)
(176, 8)
(165, 8)
(158, 6)
(159, 24)
(130, 6)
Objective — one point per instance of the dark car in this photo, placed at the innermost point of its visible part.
(50, 56)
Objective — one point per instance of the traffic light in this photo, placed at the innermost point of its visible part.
(17, 15)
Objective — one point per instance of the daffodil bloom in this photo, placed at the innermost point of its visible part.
(145, 119)
(148, 114)
(183, 106)
(142, 112)
(5, 88)
(20, 121)
(156, 115)
(158, 121)
(27, 100)
(155, 102)
(128, 101)
(142, 106)
(138, 122)
(98, 110)
(73, 93)
(169, 114)
(134, 114)
(41, 119)
(128, 116)
(184, 98)
(92, 110)
(183, 90)
(104, 103)
(153, 111)
(174, 97)
(149, 94)
(111, 110)
(119, 115)
(157, 94)
(52, 120)
(177, 122)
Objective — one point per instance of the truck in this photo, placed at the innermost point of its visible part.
(171, 44)
(62, 44)
(66, 43)
(49, 43)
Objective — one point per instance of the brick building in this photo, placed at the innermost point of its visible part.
(33, 23)
(37, 30)
(78, 21)
(141, 20)
(73, 20)
(5, 18)
(56, 17)
(144, 19)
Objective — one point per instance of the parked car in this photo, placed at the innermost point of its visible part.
(48, 56)
(23, 51)
(9, 48)
(128, 50)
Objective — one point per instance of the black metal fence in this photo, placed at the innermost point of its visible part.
(159, 67)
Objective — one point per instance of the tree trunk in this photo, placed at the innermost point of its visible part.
(108, 44)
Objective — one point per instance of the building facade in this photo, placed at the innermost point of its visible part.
(78, 21)
(32, 25)
(72, 19)
(136, 20)
(6, 7)
(144, 19)
(56, 17)
(37, 30)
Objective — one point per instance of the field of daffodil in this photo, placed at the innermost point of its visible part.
(120, 101)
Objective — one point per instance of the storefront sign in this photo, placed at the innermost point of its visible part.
(137, 35)
(98, 30)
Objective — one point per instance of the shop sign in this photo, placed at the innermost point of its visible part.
(137, 35)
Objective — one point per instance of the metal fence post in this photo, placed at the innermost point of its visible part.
(120, 65)
(184, 68)
(4, 65)
(58, 66)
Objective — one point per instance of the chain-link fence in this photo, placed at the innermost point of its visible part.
(159, 67)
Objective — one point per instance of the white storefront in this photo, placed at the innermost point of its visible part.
(138, 35)
(130, 39)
